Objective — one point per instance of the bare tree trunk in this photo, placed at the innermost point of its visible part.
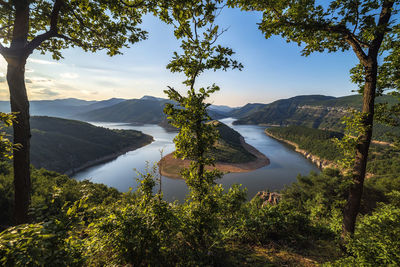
(20, 105)
(16, 59)
(356, 189)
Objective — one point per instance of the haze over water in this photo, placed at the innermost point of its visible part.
(285, 164)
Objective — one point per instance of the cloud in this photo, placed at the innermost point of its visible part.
(43, 62)
(46, 92)
(36, 79)
(69, 75)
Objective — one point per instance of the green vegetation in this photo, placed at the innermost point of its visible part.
(82, 224)
(228, 147)
(66, 145)
(384, 160)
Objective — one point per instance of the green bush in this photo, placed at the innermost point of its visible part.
(376, 241)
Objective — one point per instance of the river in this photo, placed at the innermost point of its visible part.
(120, 173)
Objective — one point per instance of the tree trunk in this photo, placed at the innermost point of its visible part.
(16, 58)
(20, 105)
(356, 189)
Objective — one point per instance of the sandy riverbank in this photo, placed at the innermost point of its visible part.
(172, 166)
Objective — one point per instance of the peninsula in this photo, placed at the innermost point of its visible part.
(231, 152)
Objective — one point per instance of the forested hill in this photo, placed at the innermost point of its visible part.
(134, 110)
(63, 145)
(315, 111)
(148, 109)
(383, 160)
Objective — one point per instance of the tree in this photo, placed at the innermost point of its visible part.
(49, 26)
(194, 23)
(369, 29)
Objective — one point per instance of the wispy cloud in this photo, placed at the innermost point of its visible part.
(43, 62)
(69, 75)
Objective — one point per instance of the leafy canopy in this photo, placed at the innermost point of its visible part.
(92, 25)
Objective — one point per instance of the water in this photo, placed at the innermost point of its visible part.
(285, 164)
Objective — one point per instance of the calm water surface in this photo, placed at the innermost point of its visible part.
(284, 167)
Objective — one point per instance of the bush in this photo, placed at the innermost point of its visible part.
(376, 241)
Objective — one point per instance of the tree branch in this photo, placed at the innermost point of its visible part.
(6, 4)
(52, 32)
(384, 18)
(77, 41)
(350, 38)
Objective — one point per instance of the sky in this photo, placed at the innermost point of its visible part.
(273, 68)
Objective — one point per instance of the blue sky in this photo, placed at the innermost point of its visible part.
(273, 69)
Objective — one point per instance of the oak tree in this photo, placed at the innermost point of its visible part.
(369, 28)
(48, 26)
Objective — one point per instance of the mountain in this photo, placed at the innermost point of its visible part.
(148, 109)
(245, 110)
(134, 110)
(66, 145)
(316, 111)
(222, 110)
(63, 108)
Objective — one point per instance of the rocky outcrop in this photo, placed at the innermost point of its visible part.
(268, 198)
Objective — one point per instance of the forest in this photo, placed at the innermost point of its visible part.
(338, 217)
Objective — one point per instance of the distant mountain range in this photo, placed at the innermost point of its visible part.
(315, 111)
(147, 109)
(63, 108)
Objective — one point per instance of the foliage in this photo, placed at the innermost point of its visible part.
(314, 141)
(383, 161)
(50, 192)
(6, 146)
(352, 136)
(140, 229)
(91, 25)
(376, 240)
(319, 196)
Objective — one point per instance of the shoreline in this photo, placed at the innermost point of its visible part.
(260, 161)
(319, 162)
(107, 158)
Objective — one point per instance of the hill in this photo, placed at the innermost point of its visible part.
(145, 110)
(134, 110)
(63, 108)
(231, 152)
(67, 146)
(383, 160)
(314, 111)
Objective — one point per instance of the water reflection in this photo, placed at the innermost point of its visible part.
(284, 167)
